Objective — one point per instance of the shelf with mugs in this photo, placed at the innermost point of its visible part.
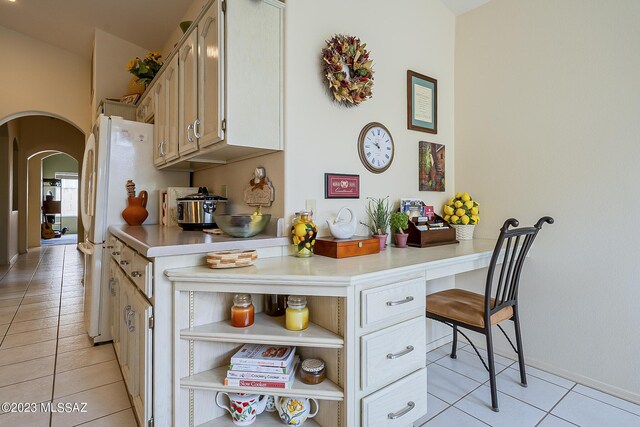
(265, 419)
(265, 330)
(213, 380)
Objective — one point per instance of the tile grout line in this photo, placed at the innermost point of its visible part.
(55, 360)
(104, 416)
(556, 404)
(23, 294)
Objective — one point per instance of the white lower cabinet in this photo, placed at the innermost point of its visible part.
(131, 325)
(398, 404)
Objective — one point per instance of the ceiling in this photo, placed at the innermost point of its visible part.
(70, 24)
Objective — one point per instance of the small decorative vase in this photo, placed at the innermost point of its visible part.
(464, 232)
(135, 86)
(401, 239)
(303, 234)
(382, 239)
(136, 212)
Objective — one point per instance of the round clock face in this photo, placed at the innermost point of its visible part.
(375, 146)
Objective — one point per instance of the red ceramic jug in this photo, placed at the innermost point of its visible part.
(136, 212)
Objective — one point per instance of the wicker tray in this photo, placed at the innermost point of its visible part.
(231, 259)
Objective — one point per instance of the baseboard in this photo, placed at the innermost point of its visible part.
(14, 259)
(566, 374)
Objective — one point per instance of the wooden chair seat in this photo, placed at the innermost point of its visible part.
(464, 307)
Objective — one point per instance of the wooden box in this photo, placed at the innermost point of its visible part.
(344, 248)
(425, 238)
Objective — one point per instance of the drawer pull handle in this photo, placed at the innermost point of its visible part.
(407, 350)
(403, 301)
(124, 262)
(403, 411)
(115, 253)
(136, 274)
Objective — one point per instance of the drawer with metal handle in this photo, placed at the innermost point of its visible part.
(126, 259)
(394, 302)
(115, 249)
(399, 404)
(141, 273)
(392, 353)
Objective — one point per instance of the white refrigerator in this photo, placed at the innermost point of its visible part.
(116, 151)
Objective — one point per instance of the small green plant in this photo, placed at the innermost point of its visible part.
(399, 222)
(379, 214)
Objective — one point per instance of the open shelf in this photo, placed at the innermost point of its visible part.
(266, 419)
(213, 379)
(265, 330)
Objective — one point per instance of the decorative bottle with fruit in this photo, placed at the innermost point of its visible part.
(303, 234)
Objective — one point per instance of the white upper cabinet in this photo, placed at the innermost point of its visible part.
(188, 90)
(210, 77)
(229, 86)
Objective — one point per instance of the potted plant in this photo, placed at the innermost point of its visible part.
(461, 211)
(143, 70)
(399, 223)
(379, 214)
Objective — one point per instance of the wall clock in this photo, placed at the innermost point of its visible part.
(375, 147)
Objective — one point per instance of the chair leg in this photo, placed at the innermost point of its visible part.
(492, 371)
(454, 346)
(516, 321)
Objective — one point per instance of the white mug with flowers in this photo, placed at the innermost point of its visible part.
(294, 411)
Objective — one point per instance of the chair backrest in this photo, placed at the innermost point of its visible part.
(515, 243)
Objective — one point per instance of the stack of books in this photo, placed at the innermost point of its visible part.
(257, 365)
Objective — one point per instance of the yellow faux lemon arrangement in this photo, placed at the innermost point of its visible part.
(461, 211)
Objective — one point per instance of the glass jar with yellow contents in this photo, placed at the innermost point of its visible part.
(297, 315)
(303, 234)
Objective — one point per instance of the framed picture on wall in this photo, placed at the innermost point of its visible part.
(341, 186)
(422, 102)
(430, 166)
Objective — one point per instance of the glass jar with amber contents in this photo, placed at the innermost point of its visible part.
(312, 371)
(242, 311)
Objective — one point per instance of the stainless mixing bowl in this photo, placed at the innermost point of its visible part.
(241, 225)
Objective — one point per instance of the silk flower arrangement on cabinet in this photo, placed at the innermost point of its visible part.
(348, 69)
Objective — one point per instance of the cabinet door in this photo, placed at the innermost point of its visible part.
(125, 309)
(114, 304)
(160, 123)
(139, 338)
(210, 77)
(188, 91)
(172, 110)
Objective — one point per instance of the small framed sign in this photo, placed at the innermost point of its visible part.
(422, 102)
(341, 186)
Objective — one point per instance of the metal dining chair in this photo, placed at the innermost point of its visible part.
(459, 308)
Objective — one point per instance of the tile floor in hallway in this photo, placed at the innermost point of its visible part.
(45, 356)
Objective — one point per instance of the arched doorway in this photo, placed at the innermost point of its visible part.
(53, 194)
(34, 133)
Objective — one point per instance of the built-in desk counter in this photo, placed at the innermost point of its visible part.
(368, 325)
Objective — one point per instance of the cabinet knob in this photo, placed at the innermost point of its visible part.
(136, 274)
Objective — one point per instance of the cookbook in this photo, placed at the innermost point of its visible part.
(265, 376)
(264, 355)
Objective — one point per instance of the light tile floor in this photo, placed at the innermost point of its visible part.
(459, 396)
(45, 354)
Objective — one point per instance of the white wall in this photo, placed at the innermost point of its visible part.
(110, 57)
(547, 124)
(321, 136)
(39, 77)
(34, 190)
